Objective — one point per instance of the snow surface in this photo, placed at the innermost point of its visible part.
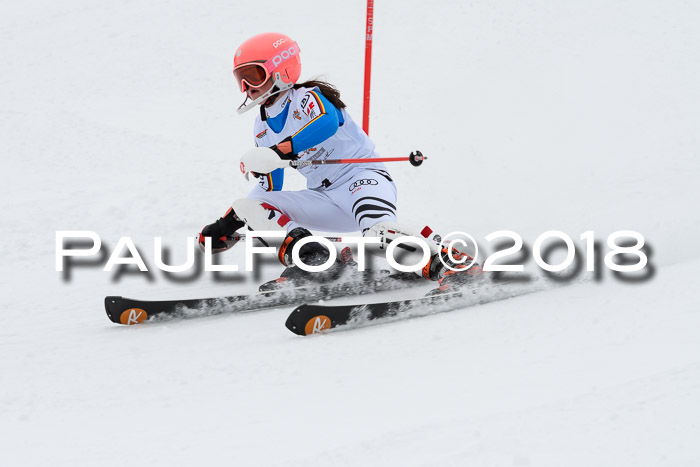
(119, 117)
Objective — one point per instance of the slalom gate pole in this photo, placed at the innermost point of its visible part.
(368, 64)
(416, 159)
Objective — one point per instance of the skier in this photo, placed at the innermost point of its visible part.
(308, 121)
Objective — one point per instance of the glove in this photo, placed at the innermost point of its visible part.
(220, 230)
(285, 149)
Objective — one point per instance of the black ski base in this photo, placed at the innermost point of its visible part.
(311, 319)
(128, 311)
(122, 310)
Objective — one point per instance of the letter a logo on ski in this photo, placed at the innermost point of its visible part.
(133, 316)
(317, 324)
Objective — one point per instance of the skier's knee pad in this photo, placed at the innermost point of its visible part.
(259, 215)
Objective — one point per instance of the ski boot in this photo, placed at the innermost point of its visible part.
(311, 254)
(457, 276)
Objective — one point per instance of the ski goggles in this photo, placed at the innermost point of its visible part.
(254, 75)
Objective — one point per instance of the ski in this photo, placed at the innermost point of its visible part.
(129, 311)
(311, 319)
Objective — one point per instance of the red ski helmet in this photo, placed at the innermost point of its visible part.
(263, 57)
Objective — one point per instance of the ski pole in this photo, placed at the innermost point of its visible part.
(241, 236)
(416, 159)
(237, 237)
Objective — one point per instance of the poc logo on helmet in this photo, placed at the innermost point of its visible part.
(284, 55)
(278, 43)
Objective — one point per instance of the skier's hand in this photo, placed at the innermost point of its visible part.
(262, 160)
(220, 230)
(218, 239)
(285, 150)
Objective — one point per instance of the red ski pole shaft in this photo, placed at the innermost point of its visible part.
(241, 236)
(348, 161)
(415, 158)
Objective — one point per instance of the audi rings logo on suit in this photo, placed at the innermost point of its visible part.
(364, 181)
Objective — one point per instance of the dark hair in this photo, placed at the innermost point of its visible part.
(327, 89)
